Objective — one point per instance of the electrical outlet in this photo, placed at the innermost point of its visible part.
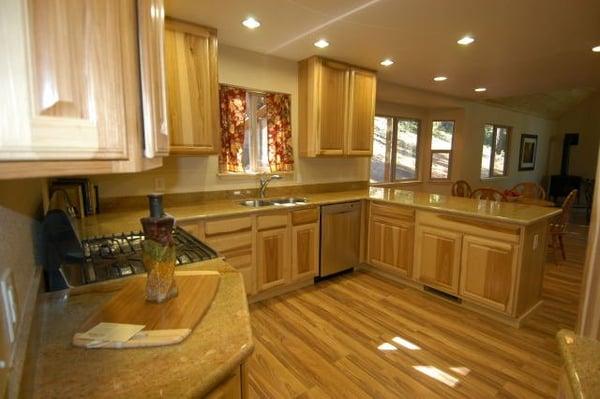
(159, 184)
(536, 239)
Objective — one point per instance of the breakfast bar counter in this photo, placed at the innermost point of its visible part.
(216, 349)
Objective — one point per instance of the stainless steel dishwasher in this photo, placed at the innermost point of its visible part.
(340, 237)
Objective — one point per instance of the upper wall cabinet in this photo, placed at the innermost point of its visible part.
(337, 108)
(193, 88)
(71, 86)
(151, 22)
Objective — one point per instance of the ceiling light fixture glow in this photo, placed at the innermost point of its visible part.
(251, 23)
(321, 43)
(480, 89)
(440, 78)
(596, 49)
(387, 62)
(465, 41)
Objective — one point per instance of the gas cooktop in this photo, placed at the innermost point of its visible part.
(120, 255)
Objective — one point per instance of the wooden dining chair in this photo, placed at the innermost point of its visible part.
(461, 188)
(558, 227)
(529, 190)
(488, 194)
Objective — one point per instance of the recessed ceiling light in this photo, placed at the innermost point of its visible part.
(321, 43)
(465, 41)
(596, 49)
(250, 23)
(387, 62)
(440, 78)
(480, 89)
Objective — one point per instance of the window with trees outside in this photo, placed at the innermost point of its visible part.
(395, 149)
(494, 157)
(442, 134)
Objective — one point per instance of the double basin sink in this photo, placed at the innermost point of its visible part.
(288, 201)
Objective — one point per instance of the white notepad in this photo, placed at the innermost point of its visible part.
(114, 332)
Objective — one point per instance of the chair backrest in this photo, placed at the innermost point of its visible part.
(567, 205)
(529, 190)
(461, 188)
(488, 194)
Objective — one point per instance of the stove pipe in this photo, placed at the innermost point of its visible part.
(569, 140)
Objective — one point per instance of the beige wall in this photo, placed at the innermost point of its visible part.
(585, 120)
(470, 118)
(188, 174)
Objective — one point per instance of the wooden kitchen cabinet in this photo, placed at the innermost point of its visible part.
(336, 108)
(233, 238)
(437, 258)
(391, 245)
(305, 243)
(391, 238)
(193, 89)
(72, 90)
(151, 22)
(488, 270)
(272, 258)
(361, 112)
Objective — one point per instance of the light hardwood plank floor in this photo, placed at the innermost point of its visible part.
(360, 336)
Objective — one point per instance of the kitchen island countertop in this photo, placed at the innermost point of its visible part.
(217, 346)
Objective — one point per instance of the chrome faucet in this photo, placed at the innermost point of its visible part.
(264, 182)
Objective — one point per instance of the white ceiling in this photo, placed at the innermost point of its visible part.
(522, 47)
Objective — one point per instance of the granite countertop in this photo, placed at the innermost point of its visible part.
(218, 345)
(126, 220)
(581, 358)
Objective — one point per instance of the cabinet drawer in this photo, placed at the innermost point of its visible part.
(305, 216)
(391, 211)
(271, 221)
(230, 225)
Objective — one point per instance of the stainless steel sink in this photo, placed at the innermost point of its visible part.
(256, 203)
(289, 201)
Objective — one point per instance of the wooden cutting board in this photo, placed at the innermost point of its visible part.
(166, 323)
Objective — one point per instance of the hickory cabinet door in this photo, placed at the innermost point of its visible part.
(193, 88)
(361, 112)
(391, 245)
(333, 103)
(305, 250)
(437, 258)
(488, 272)
(272, 258)
(63, 91)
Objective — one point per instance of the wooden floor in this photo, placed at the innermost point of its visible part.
(360, 335)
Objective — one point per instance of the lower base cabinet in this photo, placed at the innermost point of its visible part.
(232, 238)
(272, 258)
(488, 269)
(391, 245)
(305, 251)
(437, 258)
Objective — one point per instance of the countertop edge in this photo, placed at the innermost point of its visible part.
(250, 211)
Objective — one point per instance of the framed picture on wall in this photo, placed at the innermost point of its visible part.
(528, 151)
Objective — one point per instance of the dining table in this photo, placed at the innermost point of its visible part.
(534, 201)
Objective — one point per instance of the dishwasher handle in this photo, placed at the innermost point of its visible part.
(345, 207)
